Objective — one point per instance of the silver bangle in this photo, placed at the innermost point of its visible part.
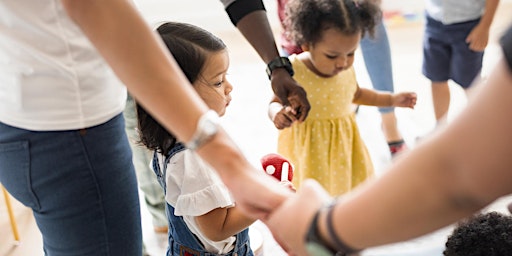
(207, 127)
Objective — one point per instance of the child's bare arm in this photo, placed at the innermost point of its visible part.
(478, 38)
(222, 223)
(371, 97)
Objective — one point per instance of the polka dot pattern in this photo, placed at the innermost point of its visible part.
(327, 145)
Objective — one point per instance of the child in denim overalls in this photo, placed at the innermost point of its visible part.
(203, 218)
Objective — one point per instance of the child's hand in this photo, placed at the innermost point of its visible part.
(404, 99)
(288, 184)
(478, 38)
(284, 118)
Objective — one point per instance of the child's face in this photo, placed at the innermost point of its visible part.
(333, 53)
(212, 85)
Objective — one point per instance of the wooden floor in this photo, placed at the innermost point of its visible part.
(247, 122)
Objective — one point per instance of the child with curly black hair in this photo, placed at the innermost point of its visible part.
(327, 146)
(488, 234)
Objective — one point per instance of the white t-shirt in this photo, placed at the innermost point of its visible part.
(51, 77)
(455, 11)
(194, 189)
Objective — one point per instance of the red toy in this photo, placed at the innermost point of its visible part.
(277, 166)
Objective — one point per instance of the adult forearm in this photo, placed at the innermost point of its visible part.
(141, 61)
(411, 201)
(461, 168)
(151, 75)
(250, 18)
(256, 29)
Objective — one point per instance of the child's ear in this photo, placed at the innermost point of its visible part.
(304, 47)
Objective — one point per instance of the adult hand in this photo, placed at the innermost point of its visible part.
(256, 193)
(290, 93)
(290, 222)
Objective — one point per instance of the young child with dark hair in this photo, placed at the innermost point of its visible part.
(376, 53)
(327, 146)
(203, 218)
(485, 234)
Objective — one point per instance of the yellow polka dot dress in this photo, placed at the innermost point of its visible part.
(327, 146)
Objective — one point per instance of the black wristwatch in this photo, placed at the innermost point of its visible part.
(279, 62)
(315, 245)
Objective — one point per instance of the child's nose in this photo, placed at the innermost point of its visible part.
(229, 88)
(341, 62)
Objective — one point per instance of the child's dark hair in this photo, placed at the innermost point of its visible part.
(189, 46)
(307, 19)
(487, 234)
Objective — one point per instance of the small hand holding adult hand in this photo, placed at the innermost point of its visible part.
(290, 93)
(291, 220)
(288, 185)
(405, 99)
(285, 117)
(478, 38)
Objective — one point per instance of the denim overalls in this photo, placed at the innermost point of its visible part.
(182, 242)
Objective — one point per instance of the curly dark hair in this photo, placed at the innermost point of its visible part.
(190, 47)
(488, 234)
(307, 19)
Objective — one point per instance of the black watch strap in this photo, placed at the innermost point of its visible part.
(340, 245)
(313, 237)
(279, 62)
(321, 247)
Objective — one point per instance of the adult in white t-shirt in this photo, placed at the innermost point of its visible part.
(63, 149)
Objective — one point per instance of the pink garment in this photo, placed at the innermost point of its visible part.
(286, 43)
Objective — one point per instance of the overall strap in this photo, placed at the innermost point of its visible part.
(178, 147)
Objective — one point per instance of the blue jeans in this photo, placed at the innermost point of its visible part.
(377, 58)
(80, 185)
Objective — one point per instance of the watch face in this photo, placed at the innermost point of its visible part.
(316, 249)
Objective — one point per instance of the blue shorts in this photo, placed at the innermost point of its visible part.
(446, 55)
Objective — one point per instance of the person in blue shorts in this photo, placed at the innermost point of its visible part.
(456, 34)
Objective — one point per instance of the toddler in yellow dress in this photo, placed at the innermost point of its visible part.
(327, 146)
